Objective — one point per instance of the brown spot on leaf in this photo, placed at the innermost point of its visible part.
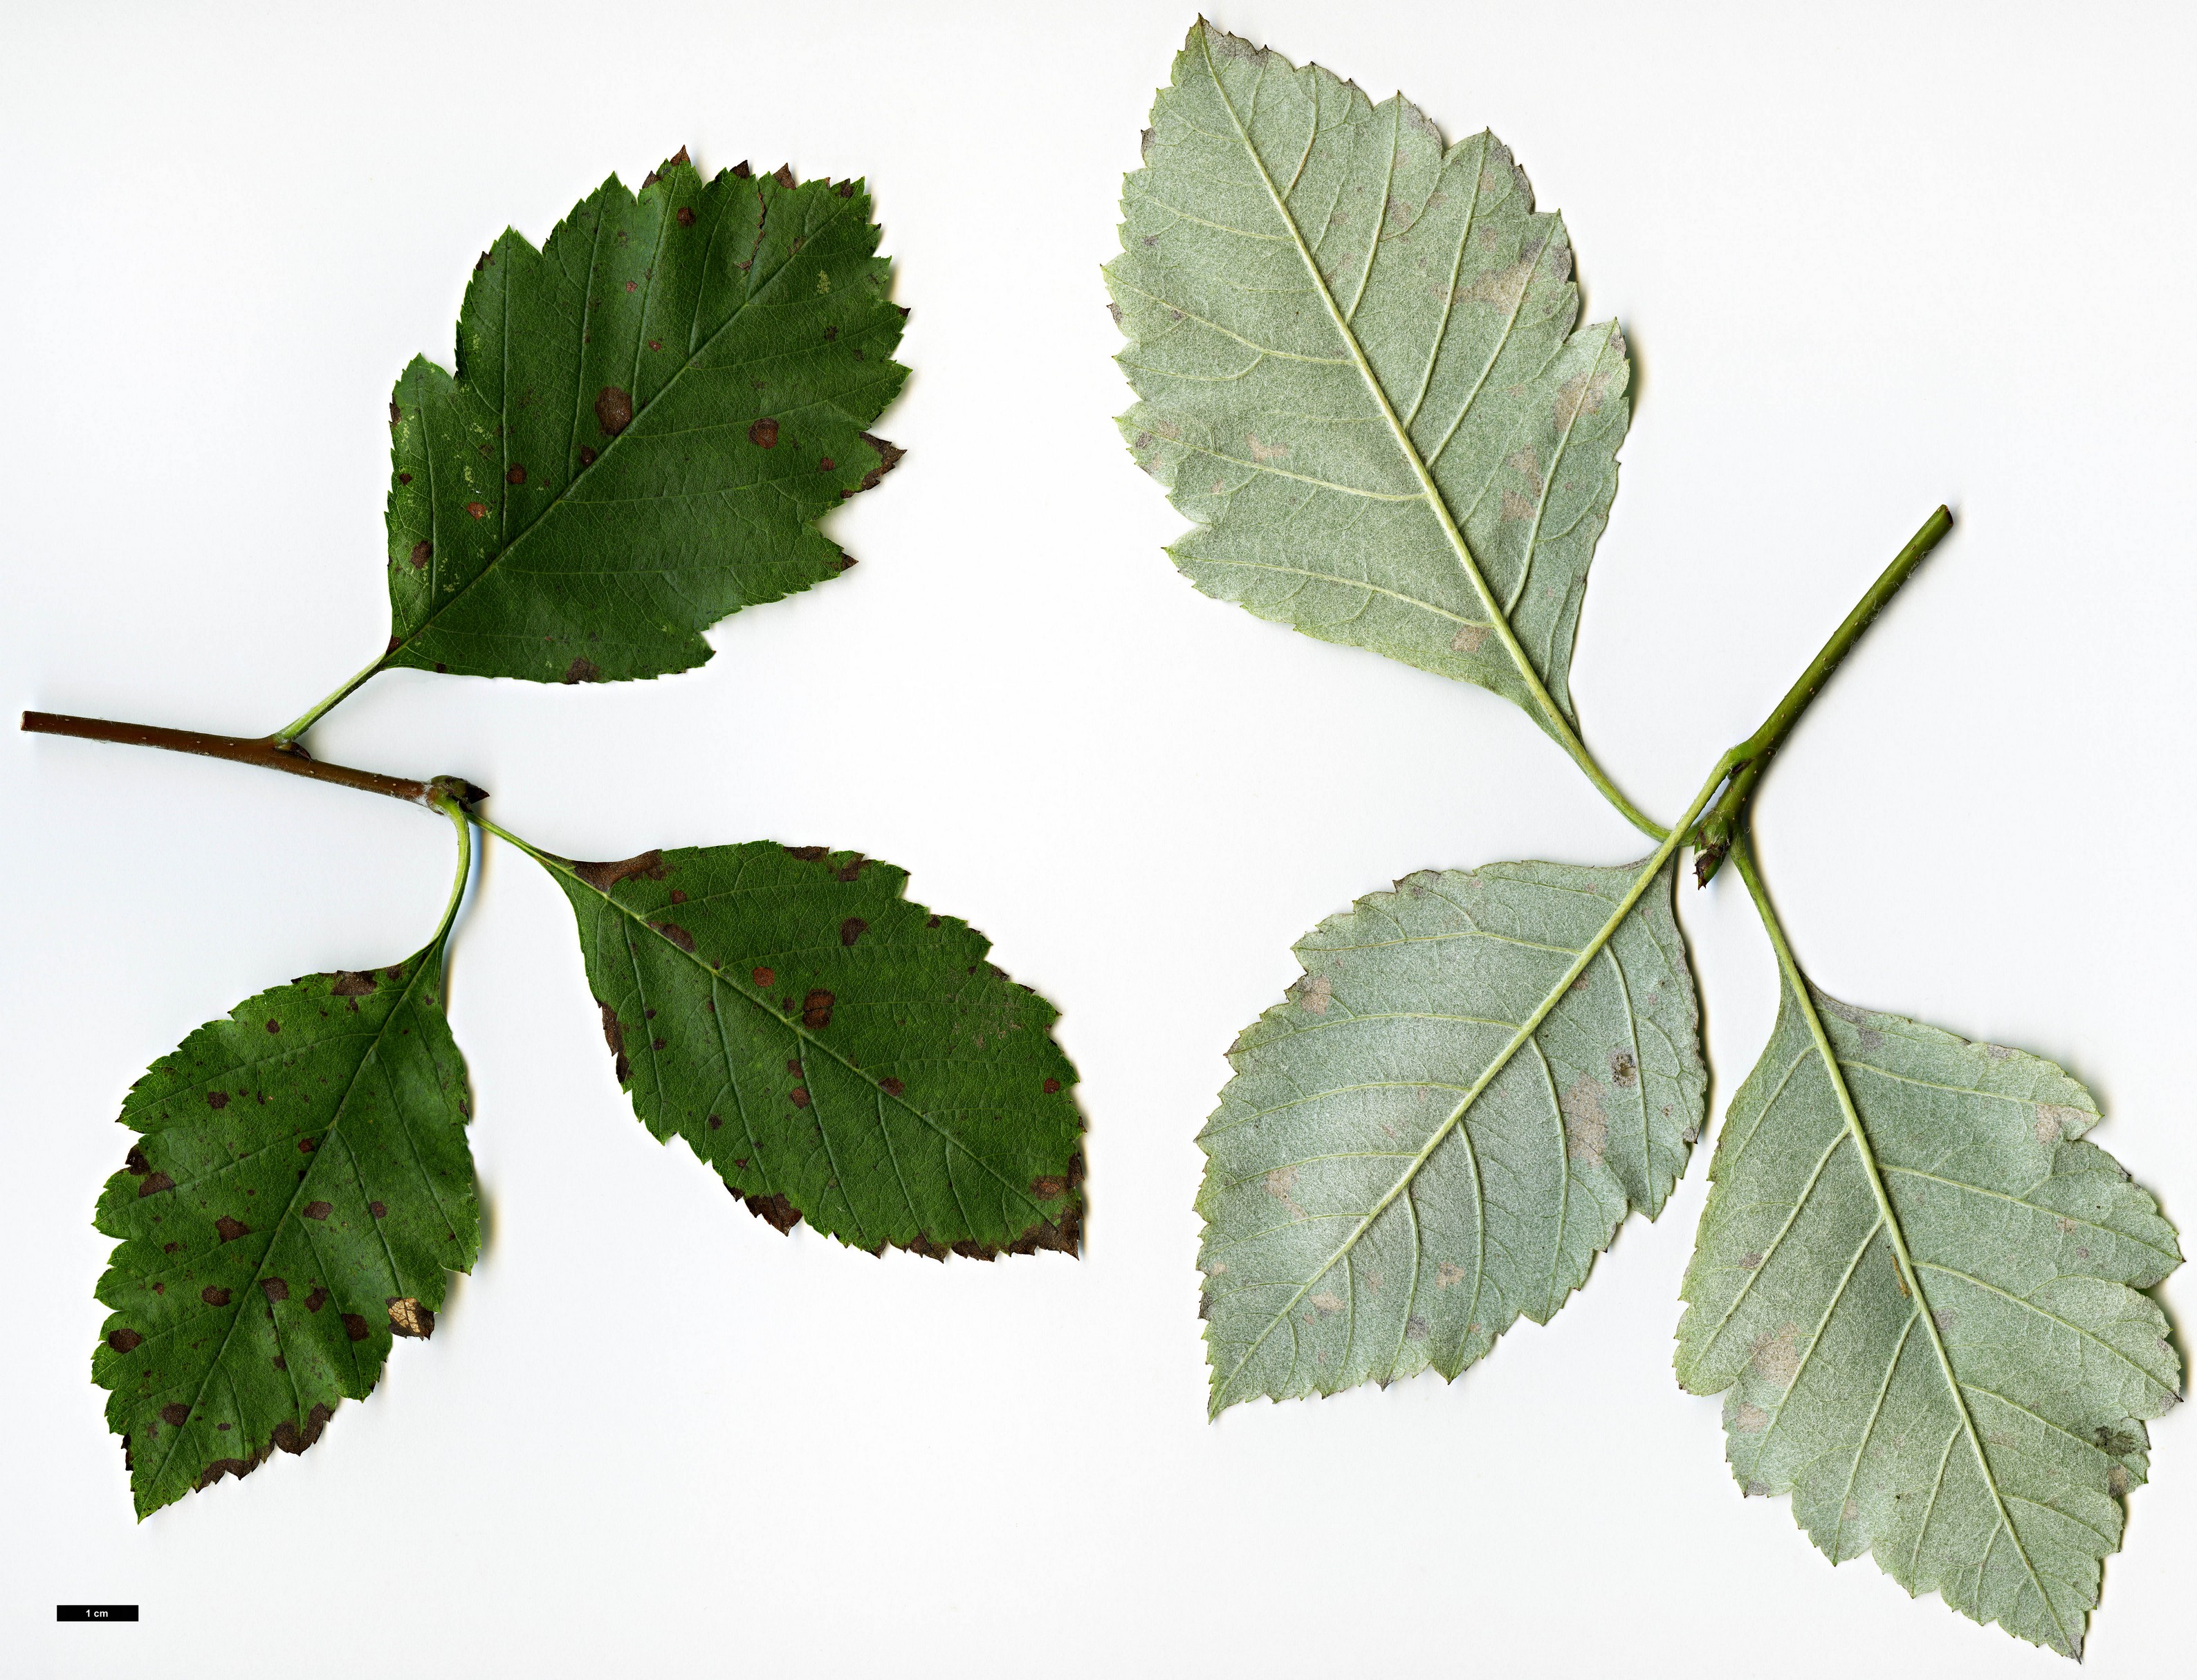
(773, 1210)
(305, 1145)
(239, 1467)
(1469, 638)
(122, 1341)
(891, 1087)
(683, 216)
(852, 930)
(318, 1210)
(274, 1026)
(763, 976)
(1314, 995)
(889, 455)
(806, 854)
(477, 509)
(355, 1327)
(849, 871)
(587, 455)
(216, 1099)
(664, 168)
(316, 1300)
(274, 1289)
(784, 176)
(602, 877)
(677, 934)
(716, 1120)
(1623, 1069)
(816, 1011)
(763, 434)
(614, 1036)
(1051, 1086)
(292, 1439)
(1046, 1189)
(354, 983)
(582, 670)
(378, 1210)
(407, 1317)
(154, 1184)
(214, 1296)
(613, 410)
(799, 1096)
(231, 1228)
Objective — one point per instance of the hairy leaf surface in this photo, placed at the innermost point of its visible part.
(1475, 1080)
(836, 1053)
(650, 414)
(1925, 1318)
(301, 1191)
(1358, 372)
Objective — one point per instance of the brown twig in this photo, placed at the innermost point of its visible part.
(264, 752)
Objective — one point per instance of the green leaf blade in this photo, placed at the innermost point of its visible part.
(649, 417)
(301, 1189)
(836, 1053)
(1974, 1421)
(1367, 1214)
(1355, 354)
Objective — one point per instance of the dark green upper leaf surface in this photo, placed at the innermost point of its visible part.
(650, 415)
(836, 1053)
(1969, 1414)
(301, 1189)
(1355, 354)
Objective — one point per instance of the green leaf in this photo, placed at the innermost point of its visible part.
(1475, 1080)
(650, 415)
(836, 1053)
(1918, 1288)
(1355, 354)
(302, 1188)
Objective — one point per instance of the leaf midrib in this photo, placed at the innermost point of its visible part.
(1798, 986)
(1428, 490)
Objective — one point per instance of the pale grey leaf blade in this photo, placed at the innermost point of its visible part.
(1358, 372)
(1973, 1420)
(1367, 1216)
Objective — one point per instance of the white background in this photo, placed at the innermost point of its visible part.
(1869, 258)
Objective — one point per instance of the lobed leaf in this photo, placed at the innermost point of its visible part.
(1475, 1080)
(1353, 351)
(300, 1191)
(838, 1054)
(649, 417)
(1917, 1286)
